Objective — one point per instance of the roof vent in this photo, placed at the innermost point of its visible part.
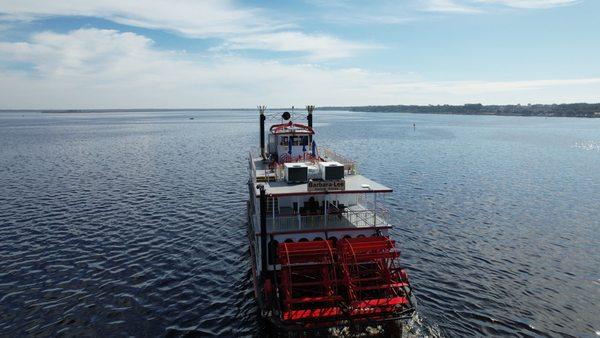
(296, 172)
(331, 170)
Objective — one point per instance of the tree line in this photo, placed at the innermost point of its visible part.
(564, 110)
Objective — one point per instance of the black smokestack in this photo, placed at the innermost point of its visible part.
(309, 117)
(262, 132)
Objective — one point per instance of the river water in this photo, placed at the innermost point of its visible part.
(133, 224)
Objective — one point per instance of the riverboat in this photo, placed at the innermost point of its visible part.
(319, 232)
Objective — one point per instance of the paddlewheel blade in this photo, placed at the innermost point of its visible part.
(371, 276)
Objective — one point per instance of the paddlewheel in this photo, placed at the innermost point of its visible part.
(373, 281)
(308, 282)
(359, 278)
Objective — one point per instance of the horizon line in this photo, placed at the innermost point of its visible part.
(274, 108)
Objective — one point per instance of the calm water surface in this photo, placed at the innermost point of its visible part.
(133, 224)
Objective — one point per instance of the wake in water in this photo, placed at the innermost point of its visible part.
(418, 327)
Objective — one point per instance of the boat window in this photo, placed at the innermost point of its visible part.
(284, 141)
(304, 140)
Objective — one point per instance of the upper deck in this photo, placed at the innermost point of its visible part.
(301, 192)
(275, 184)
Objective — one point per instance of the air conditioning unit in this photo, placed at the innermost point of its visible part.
(296, 172)
(331, 170)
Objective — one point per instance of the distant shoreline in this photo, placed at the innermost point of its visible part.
(79, 111)
(587, 110)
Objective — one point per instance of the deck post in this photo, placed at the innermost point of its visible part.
(262, 130)
(263, 230)
(325, 209)
(298, 213)
(273, 210)
(374, 209)
(309, 117)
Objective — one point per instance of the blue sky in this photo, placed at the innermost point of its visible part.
(187, 53)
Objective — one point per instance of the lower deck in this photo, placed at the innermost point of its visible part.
(351, 217)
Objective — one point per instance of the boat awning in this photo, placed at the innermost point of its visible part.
(355, 184)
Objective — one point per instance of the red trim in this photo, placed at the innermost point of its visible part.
(370, 191)
(278, 127)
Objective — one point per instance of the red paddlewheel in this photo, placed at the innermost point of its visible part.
(307, 279)
(373, 281)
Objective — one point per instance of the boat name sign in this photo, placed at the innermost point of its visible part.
(330, 185)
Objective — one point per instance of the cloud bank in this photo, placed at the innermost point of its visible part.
(103, 68)
(238, 27)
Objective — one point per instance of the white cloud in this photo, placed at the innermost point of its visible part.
(94, 68)
(449, 6)
(466, 88)
(385, 12)
(81, 53)
(205, 18)
(532, 3)
(320, 46)
(475, 6)
(238, 27)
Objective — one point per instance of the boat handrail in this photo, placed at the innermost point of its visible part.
(252, 167)
(278, 170)
(348, 218)
(349, 164)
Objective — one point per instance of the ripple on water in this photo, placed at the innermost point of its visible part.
(134, 224)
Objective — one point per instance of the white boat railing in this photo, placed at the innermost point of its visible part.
(251, 167)
(267, 173)
(349, 164)
(345, 219)
(277, 173)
